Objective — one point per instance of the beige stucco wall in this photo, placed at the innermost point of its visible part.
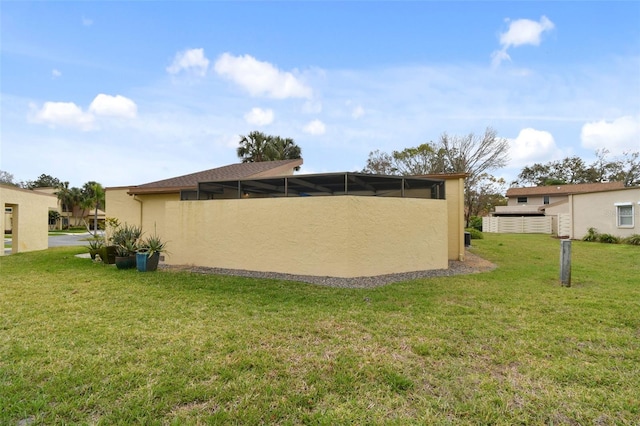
(454, 193)
(30, 217)
(343, 236)
(598, 210)
(147, 211)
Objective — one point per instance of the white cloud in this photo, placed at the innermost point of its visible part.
(55, 73)
(66, 114)
(617, 136)
(532, 146)
(357, 112)
(259, 116)
(521, 32)
(315, 127)
(113, 106)
(261, 78)
(190, 60)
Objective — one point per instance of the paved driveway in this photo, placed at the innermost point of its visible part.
(69, 240)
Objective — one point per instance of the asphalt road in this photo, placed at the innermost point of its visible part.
(69, 240)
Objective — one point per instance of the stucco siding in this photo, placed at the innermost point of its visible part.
(454, 192)
(121, 205)
(30, 230)
(598, 210)
(147, 211)
(345, 236)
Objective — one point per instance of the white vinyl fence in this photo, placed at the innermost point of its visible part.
(564, 225)
(518, 225)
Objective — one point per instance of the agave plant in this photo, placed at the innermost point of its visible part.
(96, 243)
(152, 245)
(126, 239)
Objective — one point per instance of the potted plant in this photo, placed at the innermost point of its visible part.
(95, 245)
(148, 254)
(124, 258)
(126, 239)
(108, 251)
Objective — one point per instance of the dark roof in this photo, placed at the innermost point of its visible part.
(327, 184)
(564, 189)
(230, 172)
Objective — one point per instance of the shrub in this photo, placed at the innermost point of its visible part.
(634, 240)
(608, 238)
(475, 222)
(592, 235)
(475, 234)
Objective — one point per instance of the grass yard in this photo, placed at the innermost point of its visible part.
(89, 344)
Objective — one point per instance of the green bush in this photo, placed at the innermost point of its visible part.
(475, 234)
(608, 239)
(592, 235)
(475, 222)
(634, 240)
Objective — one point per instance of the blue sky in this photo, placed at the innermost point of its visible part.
(131, 92)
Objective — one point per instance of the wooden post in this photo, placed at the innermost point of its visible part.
(565, 263)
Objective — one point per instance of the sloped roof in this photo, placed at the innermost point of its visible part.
(564, 189)
(229, 172)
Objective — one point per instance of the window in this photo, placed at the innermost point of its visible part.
(522, 200)
(624, 213)
(545, 199)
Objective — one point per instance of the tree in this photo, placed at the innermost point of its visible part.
(283, 149)
(43, 181)
(257, 146)
(421, 160)
(94, 198)
(66, 198)
(626, 169)
(6, 178)
(486, 195)
(474, 155)
(253, 147)
(574, 170)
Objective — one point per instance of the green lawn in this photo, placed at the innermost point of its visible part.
(89, 344)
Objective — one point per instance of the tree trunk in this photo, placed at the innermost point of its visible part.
(95, 222)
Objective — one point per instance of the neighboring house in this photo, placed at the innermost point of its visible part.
(29, 215)
(552, 209)
(259, 216)
(77, 217)
(535, 200)
(615, 212)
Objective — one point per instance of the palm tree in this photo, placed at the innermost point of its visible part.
(253, 147)
(78, 199)
(94, 193)
(257, 146)
(65, 196)
(283, 149)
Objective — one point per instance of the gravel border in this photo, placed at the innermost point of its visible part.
(472, 264)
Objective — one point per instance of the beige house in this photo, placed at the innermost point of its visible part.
(78, 217)
(261, 217)
(28, 214)
(615, 212)
(565, 210)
